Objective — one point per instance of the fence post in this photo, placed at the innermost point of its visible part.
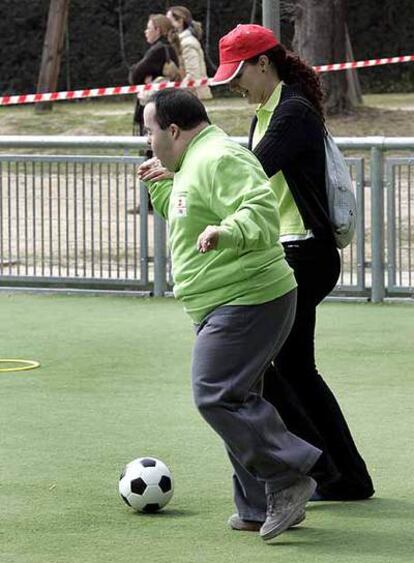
(160, 256)
(377, 225)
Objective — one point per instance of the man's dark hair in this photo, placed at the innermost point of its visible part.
(179, 106)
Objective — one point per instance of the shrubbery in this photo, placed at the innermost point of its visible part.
(93, 56)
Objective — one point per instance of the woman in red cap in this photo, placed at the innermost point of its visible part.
(287, 136)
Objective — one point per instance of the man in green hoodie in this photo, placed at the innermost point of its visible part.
(230, 273)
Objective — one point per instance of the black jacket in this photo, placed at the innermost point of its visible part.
(152, 63)
(294, 144)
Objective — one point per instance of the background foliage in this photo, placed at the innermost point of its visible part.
(96, 53)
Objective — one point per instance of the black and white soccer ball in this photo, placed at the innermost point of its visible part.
(146, 484)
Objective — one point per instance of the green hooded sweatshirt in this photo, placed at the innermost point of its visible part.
(219, 182)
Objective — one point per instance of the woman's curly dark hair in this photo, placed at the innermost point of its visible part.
(293, 70)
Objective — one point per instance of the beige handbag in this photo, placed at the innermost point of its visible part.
(170, 72)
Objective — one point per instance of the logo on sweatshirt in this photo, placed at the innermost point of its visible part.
(180, 207)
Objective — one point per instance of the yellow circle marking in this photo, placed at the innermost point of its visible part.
(25, 365)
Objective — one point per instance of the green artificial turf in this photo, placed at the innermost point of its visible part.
(114, 385)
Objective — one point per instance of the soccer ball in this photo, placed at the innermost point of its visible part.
(146, 484)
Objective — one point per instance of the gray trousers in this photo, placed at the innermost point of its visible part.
(233, 347)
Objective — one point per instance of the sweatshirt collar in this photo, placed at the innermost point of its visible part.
(272, 102)
(195, 141)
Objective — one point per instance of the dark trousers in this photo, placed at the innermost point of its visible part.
(295, 387)
(138, 130)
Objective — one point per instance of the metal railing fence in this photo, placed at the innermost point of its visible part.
(82, 220)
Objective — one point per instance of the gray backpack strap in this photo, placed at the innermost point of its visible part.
(342, 206)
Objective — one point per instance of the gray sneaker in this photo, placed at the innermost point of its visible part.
(286, 506)
(237, 523)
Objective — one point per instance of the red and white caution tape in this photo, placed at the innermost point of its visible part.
(97, 92)
(362, 64)
(154, 86)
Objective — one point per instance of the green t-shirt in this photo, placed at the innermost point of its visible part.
(219, 182)
(291, 222)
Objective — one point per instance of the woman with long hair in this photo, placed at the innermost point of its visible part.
(162, 59)
(287, 136)
(190, 32)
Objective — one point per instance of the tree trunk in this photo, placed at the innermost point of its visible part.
(354, 87)
(320, 38)
(52, 50)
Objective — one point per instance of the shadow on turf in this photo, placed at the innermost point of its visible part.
(388, 508)
(173, 513)
(355, 537)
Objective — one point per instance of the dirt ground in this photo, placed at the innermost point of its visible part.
(77, 225)
(386, 114)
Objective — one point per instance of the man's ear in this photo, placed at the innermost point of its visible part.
(175, 131)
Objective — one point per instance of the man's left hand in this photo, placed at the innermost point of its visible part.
(208, 240)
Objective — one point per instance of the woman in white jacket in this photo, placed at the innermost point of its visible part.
(190, 35)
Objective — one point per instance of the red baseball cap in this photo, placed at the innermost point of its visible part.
(240, 44)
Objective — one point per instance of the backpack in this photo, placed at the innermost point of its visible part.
(342, 208)
(341, 198)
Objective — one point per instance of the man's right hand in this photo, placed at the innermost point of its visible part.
(153, 170)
